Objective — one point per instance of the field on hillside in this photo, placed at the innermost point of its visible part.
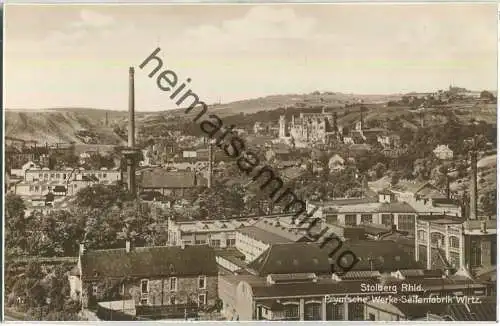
(60, 125)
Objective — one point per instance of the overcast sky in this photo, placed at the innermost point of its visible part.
(78, 56)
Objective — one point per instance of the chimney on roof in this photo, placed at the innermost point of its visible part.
(127, 246)
(473, 186)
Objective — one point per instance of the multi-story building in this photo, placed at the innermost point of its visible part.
(168, 279)
(444, 241)
(383, 210)
(310, 128)
(295, 282)
(39, 182)
(215, 233)
(250, 235)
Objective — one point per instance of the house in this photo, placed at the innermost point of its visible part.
(20, 173)
(389, 140)
(63, 182)
(336, 163)
(169, 182)
(164, 280)
(443, 152)
(362, 211)
(279, 152)
(215, 233)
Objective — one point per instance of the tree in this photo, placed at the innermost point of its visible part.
(487, 95)
(379, 169)
(15, 222)
(489, 203)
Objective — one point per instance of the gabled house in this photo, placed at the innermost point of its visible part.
(168, 279)
(443, 152)
(336, 163)
(169, 182)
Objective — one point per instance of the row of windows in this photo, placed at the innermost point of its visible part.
(65, 175)
(437, 239)
(172, 300)
(202, 284)
(405, 222)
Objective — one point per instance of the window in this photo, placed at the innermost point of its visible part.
(350, 220)
(215, 243)
(356, 311)
(144, 286)
(104, 175)
(202, 299)
(422, 235)
(331, 218)
(454, 242)
(366, 218)
(172, 300)
(230, 242)
(455, 259)
(202, 282)
(437, 239)
(94, 289)
(58, 175)
(173, 284)
(475, 259)
(387, 219)
(494, 251)
(291, 311)
(52, 175)
(406, 223)
(371, 316)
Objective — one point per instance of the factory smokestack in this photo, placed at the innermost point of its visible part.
(131, 109)
(210, 166)
(131, 153)
(473, 186)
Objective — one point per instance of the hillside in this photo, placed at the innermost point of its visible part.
(61, 125)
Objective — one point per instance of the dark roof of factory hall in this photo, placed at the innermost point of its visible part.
(148, 262)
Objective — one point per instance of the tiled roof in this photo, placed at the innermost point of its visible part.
(292, 258)
(411, 186)
(376, 229)
(484, 311)
(149, 262)
(412, 310)
(160, 178)
(381, 255)
(263, 235)
(395, 208)
(324, 286)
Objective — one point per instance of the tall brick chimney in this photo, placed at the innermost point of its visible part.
(210, 164)
(131, 109)
(473, 186)
(131, 153)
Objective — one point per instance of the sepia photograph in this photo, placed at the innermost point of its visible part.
(250, 162)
